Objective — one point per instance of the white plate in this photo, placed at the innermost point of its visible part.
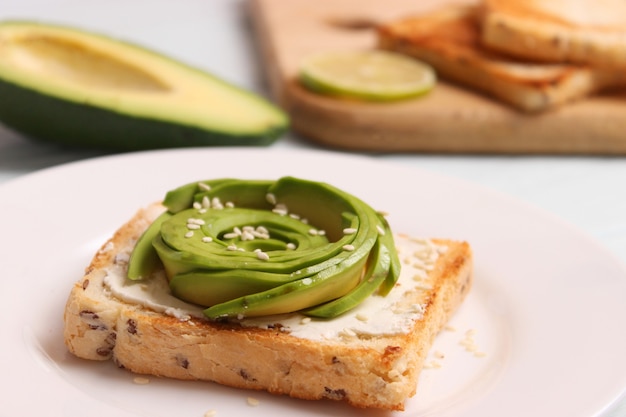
(547, 309)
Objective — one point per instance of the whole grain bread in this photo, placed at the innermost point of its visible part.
(450, 39)
(577, 31)
(378, 371)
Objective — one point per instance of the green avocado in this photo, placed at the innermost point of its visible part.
(244, 248)
(79, 88)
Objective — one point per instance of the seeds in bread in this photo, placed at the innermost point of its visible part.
(450, 40)
(365, 370)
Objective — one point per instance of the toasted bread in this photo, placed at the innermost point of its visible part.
(577, 31)
(450, 40)
(358, 363)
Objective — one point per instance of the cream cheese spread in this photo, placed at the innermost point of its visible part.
(393, 314)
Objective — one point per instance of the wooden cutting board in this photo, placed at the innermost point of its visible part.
(450, 119)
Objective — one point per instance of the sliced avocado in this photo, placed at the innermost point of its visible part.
(79, 88)
(297, 295)
(144, 259)
(319, 244)
(376, 274)
(182, 253)
(386, 241)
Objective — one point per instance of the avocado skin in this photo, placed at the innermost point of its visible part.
(48, 118)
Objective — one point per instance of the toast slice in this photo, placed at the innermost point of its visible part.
(578, 31)
(358, 358)
(450, 40)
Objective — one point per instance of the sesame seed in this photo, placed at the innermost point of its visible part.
(305, 320)
(321, 232)
(291, 246)
(204, 187)
(271, 198)
(362, 317)
(305, 221)
(229, 204)
(247, 236)
(192, 226)
(307, 281)
(189, 234)
(197, 205)
(432, 365)
(206, 202)
(141, 380)
(295, 216)
(313, 232)
(280, 209)
(260, 235)
(349, 231)
(348, 247)
(231, 235)
(217, 204)
(348, 332)
(231, 247)
(253, 402)
(262, 256)
(207, 239)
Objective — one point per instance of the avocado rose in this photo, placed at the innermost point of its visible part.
(244, 248)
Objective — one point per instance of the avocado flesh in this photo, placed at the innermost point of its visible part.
(380, 277)
(238, 283)
(80, 88)
(294, 296)
(144, 260)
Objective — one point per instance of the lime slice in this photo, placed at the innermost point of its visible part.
(368, 75)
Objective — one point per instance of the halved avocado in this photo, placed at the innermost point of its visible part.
(78, 88)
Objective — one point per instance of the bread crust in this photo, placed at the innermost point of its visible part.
(377, 372)
(540, 31)
(450, 40)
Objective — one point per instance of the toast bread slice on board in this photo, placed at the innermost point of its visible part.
(365, 370)
(450, 40)
(577, 31)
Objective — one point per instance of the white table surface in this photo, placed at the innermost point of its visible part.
(588, 192)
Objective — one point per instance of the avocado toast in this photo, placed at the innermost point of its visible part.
(368, 353)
